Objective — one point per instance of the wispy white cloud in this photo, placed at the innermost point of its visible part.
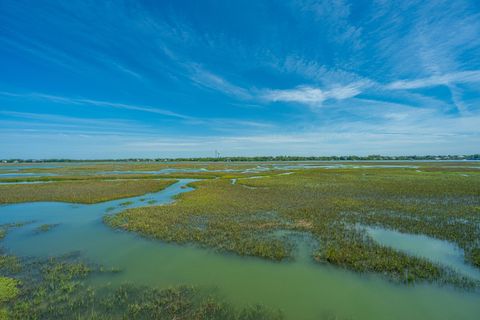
(83, 101)
(214, 123)
(454, 135)
(43, 52)
(429, 42)
(313, 70)
(313, 95)
(445, 79)
(208, 79)
(55, 118)
(424, 37)
(302, 94)
(303, 56)
(333, 18)
(43, 123)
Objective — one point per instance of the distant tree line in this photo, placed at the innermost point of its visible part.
(335, 158)
(267, 158)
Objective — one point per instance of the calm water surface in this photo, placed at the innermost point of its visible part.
(435, 250)
(302, 289)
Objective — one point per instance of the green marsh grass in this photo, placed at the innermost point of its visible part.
(326, 203)
(80, 191)
(8, 289)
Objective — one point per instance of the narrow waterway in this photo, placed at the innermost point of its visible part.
(438, 251)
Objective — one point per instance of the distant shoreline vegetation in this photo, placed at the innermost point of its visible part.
(268, 158)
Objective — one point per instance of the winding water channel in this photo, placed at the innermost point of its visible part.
(302, 289)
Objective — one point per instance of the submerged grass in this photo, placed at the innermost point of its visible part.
(80, 191)
(326, 203)
(45, 227)
(57, 288)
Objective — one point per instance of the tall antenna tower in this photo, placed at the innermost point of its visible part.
(217, 154)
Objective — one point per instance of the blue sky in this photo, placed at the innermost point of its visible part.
(114, 79)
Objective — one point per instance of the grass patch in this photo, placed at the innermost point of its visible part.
(80, 191)
(8, 289)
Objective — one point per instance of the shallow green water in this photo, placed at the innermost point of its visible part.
(301, 288)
